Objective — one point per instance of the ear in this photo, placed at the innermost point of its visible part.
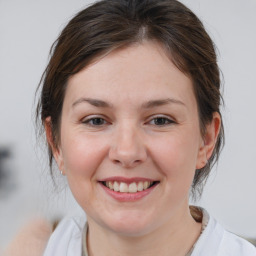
(56, 150)
(209, 141)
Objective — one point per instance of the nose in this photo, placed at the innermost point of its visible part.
(127, 148)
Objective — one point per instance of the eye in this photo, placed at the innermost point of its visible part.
(95, 121)
(161, 121)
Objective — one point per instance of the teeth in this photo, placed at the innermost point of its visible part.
(123, 187)
(145, 184)
(140, 186)
(110, 185)
(116, 186)
(133, 188)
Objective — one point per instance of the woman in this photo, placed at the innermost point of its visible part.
(130, 105)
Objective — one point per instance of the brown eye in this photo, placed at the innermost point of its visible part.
(97, 121)
(161, 121)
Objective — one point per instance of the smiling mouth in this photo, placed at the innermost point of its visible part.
(132, 187)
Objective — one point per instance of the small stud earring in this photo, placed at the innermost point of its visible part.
(61, 172)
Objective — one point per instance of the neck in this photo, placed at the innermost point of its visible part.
(175, 237)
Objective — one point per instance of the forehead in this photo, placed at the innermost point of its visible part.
(138, 72)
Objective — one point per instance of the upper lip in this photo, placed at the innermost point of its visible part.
(127, 180)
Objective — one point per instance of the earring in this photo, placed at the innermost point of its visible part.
(61, 172)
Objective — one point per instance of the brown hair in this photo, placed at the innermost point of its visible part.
(111, 24)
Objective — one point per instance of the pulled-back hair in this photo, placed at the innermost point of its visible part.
(111, 24)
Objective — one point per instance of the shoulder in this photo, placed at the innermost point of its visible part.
(216, 241)
(234, 245)
(67, 238)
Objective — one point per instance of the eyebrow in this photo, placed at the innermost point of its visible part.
(94, 102)
(146, 105)
(161, 102)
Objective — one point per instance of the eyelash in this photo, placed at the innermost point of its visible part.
(90, 121)
(167, 121)
(101, 121)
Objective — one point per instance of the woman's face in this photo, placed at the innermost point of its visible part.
(128, 120)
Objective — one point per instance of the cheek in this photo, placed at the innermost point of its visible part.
(82, 155)
(176, 158)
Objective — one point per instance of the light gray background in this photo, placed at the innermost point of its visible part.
(27, 30)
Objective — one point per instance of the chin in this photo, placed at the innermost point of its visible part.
(129, 225)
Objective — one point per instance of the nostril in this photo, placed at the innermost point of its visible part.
(127, 153)
(127, 163)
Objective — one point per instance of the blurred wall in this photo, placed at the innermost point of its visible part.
(27, 30)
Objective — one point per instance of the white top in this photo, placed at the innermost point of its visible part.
(67, 239)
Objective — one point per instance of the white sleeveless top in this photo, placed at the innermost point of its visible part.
(69, 239)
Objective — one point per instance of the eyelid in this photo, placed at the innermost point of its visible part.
(167, 117)
(87, 119)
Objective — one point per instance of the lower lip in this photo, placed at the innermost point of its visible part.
(128, 197)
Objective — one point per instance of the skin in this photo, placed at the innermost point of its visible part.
(134, 138)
